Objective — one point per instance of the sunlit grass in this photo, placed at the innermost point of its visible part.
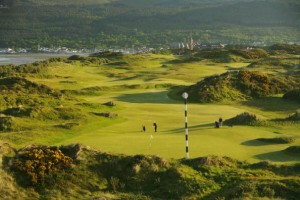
(142, 106)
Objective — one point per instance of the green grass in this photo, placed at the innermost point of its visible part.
(96, 174)
(142, 106)
(112, 169)
(169, 142)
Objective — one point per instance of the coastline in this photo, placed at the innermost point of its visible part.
(24, 58)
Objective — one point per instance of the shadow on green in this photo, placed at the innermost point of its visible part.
(194, 128)
(273, 104)
(277, 156)
(148, 97)
(255, 142)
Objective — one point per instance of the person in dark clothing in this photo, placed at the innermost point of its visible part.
(155, 126)
(144, 128)
(217, 124)
(220, 121)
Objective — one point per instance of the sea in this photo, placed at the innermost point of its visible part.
(18, 59)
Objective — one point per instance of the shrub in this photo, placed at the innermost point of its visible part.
(76, 57)
(240, 85)
(68, 125)
(39, 164)
(43, 113)
(69, 113)
(115, 184)
(218, 55)
(250, 54)
(267, 192)
(295, 116)
(197, 163)
(242, 119)
(73, 150)
(32, 68)
(6, 123)
(107, 114)
(293, 95)
(107, 54)
(17, 112)
(286, 48)
(110, 103)
(24, 86)
(254, 83)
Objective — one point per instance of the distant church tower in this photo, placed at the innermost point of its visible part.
(191, 43)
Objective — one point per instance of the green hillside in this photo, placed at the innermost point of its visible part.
(79, 172)
(104, 99)
(101, 102)
(131, 23)
(240, 85)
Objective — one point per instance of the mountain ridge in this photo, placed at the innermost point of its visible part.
(132, 23)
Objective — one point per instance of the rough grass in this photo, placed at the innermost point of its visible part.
(8, 187)
(212, 172)
(97, 174)
(240, 85)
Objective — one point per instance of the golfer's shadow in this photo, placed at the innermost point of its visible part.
(195, 127)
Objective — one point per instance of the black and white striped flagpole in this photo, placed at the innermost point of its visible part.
(185, 96)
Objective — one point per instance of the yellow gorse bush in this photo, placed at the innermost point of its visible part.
(39, 163)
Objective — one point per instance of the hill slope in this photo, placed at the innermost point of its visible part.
(127, 23)
(240, 85)
(83, 173)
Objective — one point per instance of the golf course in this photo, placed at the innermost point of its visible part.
(82, 127)
(139, 86)
(149, 100)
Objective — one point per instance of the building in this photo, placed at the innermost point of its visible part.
(210, 46)
(182, 45)
(190, 43)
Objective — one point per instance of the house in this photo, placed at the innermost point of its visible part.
(210, 46)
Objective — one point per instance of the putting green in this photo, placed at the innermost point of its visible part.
(142, 108)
